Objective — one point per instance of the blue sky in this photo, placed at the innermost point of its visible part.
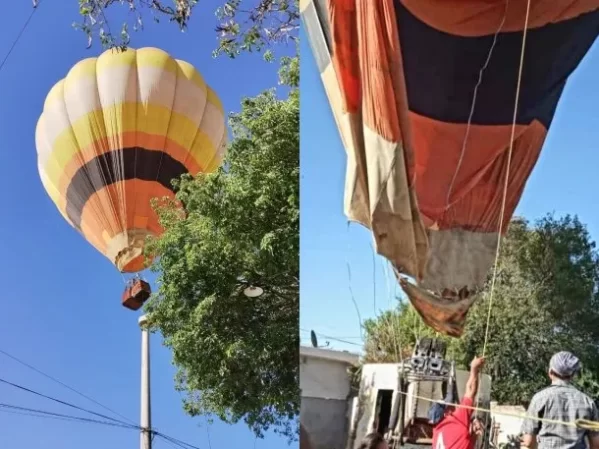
(60, 298)
(565, 180)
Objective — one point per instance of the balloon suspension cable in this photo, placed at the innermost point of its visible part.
(473, 104)
(392, 332)
(349, 280)
(394, 318)
(506, 181)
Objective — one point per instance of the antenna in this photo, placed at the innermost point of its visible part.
(313, 339)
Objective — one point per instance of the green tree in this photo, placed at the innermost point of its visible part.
(545, 300)
(243, 25)
(237, 357)
(392, 335)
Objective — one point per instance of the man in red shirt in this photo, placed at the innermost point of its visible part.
(456, 429)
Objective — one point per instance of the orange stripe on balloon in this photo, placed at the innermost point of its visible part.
(473, 202)
(481, 18)
(137, 201)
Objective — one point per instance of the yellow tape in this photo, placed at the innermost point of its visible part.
(584, 424)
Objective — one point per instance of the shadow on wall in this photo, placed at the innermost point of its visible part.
(305, 442)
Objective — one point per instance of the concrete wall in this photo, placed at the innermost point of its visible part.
(374, 377)
(324, 379)
(325, 387)
(508, 425)
(326, 422)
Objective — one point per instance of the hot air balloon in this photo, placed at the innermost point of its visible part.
(427, 158)
(115, 133)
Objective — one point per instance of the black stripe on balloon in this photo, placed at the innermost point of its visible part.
(441, 69)
(114, 166)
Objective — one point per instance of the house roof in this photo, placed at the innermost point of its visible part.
(330, 354)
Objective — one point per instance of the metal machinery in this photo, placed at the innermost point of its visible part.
(424, 376)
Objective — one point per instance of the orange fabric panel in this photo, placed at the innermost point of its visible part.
(381, 69)
(342, 16)
(475, 199)
(136, 265)
(97, 220)
(367, 60)
(371, 81)
(482, 203)
(483, 17)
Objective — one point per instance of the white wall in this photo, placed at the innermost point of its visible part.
(323, 373)
(508, 425)
(325, 386)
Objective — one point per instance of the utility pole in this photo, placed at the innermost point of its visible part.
(145, 441)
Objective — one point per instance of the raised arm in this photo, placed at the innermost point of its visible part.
(472, 384)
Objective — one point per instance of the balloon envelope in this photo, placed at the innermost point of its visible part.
(115, 133)
(400, 76)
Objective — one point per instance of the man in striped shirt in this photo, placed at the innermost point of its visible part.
(560, 402)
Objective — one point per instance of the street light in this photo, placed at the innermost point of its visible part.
(145, 421)
(253, 292)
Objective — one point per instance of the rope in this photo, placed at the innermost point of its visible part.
(583, 424)
(394, 319)
(349, 280)
(373, 278)
(505, 184)
(473, 105)
(507, 174)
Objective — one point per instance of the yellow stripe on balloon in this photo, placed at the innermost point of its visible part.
(68, 146)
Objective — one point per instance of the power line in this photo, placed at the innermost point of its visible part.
(37, 413)
(33, 368)
(33, 414)
(14, 44)
(335, 338)
(175, 441)
(111, 421)
(68, 404)
(348, 337)
(171, 444)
